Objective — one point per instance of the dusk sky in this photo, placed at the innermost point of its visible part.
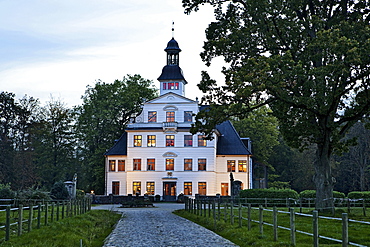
(57, 48)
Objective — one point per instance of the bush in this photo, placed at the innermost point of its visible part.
(59, 191)
(33, 194)
(359, 195)
(80, 194)
(6, 192)
(269, 193)
(312, 194)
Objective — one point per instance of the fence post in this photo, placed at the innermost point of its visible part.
(225, 211)
(249, 216)
(39, 216)
(30, 217)
(218, 209)
(46, 213)
(232, 212)
(274, 220)
(348, 206)
(344, 230)
(240, 214)
(364, 206)
(7, 224)
(300, 205)
(214, 213)
(20, 219)
(315, 230)
(58, 205)
(292, 226)
(209, 208)
(261, 219)
(52, 212)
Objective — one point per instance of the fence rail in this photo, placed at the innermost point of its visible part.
(226, 210)
(16, 218)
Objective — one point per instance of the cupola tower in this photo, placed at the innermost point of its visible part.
(172, 79)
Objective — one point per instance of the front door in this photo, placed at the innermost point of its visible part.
(169, 191)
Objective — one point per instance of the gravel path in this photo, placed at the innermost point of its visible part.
(159, 227)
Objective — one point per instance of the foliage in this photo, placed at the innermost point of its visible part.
(312, 194)
(359, 194)
(92, 228)
(6, 192)
(33, 194)
(59, 191)
(262, 128)
(308, 60)
(80, 194)
(279, 185)
(269, 193)
(102, 118)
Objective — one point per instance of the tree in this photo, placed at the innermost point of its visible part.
(55, 143)
(307, 59)
(103, 116)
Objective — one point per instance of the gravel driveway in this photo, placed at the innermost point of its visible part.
(158, 226)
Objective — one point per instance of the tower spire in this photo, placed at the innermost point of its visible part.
(173, 29)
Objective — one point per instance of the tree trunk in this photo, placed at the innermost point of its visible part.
(323, 179)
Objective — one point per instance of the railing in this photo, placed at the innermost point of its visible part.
(16, 218)
(169, 126)
(227, 211)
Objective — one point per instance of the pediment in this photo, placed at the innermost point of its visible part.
(170, 98)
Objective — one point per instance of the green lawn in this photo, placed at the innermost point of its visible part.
(92, 227)
(358, 233)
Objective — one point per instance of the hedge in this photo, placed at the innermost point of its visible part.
(269, 193)
(359, 194)
(312, 194)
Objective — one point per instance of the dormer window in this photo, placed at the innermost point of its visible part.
(170, 116)
(152, 116)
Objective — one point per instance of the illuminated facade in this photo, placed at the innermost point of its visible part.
(158, 155)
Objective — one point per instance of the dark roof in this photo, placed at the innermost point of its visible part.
(120, 147)
(173, 45)
(171, 72)
(229, 143)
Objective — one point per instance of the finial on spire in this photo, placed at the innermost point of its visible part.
(173, 29)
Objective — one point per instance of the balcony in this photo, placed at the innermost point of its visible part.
(169, 127)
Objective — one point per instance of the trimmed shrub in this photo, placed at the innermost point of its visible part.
(359, 195)
(59, 191)
(269, 193)
(312, 194)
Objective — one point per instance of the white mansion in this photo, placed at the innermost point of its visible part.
(157, 155)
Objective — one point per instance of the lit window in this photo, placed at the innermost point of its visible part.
(170, 116)
(202, 164)
(115, 188)
(151, 141)
(121, 165)
(202, 188)
(112, 165)
(224, 189)
(188, 188)
(136, 188)
(170, 164)
(137, 165)
(188, 116)
(202, 142)
(170, 140)
(137, 140)
(165, 85)
(231, 166)
(152, 116)
(242, 166)
(173, 85)
(150, 188)
(188, 164)
(188, 140)
(150, 165)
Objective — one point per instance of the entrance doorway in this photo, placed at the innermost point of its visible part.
(169, 191)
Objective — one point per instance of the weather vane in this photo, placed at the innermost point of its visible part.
(173, 29)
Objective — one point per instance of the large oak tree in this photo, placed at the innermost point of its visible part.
(307, 59)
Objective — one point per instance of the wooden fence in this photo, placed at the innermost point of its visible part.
(20, 219)
(227, 211)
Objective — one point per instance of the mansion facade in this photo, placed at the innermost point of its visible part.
(157, 154)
